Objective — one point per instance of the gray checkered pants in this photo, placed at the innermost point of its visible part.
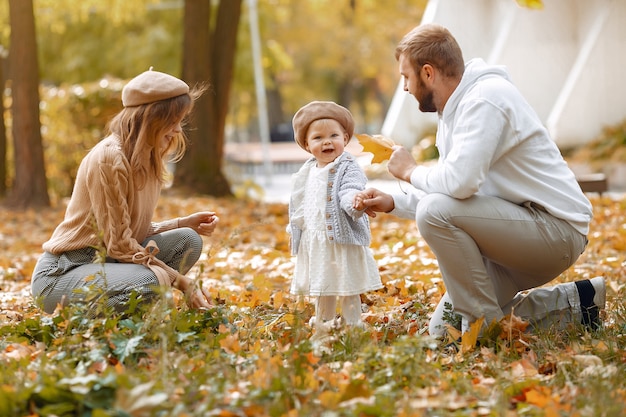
(73, 276)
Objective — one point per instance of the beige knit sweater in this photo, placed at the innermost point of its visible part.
(106, 210)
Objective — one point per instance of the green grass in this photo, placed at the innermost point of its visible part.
(173, 361)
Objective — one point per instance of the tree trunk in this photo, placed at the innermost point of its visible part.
(208, 58)
(29, 187)
(3, 132)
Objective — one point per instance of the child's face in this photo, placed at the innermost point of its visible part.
(325, 140)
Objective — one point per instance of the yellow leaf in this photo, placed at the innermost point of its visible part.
(531, 4)
(469, 338)
(537, 397)
(453, 333)
(523, 368)
(230, 343)
(329, 399)
(377, 145)
(279, 299)
(354, 389)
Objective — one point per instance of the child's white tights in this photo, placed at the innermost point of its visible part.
(326, 308)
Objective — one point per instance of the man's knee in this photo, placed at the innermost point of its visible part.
(432, 210)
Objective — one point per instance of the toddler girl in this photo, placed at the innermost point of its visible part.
(329, 237)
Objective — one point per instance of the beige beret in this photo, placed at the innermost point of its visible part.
(151, 86)
(317, 110)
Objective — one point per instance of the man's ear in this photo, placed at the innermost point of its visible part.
(429, 72)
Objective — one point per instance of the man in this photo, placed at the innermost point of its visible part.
(501, 210)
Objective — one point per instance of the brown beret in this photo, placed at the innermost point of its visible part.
(151, 86)
(317, 110)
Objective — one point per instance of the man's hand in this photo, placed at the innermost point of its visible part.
(401, 163)
(372, 200)
(203, 222)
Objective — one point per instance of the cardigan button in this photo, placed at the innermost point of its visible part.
(329, 227)
(333, 170)
(331, 238)
(329, 198)
(330, 183)
(328, 215)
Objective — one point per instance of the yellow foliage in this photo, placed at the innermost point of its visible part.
(470, 337)
(377, 145)
(531, 4)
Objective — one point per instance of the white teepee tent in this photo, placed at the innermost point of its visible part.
(568, 60)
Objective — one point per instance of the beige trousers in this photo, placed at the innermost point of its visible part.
(490, 251)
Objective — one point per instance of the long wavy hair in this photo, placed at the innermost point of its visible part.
(141, 129)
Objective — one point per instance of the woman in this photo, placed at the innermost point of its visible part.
(107, 241)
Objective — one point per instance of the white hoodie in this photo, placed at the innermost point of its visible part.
(491, 142)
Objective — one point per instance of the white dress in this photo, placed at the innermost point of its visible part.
(323, 267)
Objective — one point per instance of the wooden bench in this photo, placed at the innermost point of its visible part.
(593, 183)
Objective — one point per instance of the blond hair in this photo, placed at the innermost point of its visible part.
(432, 44)
(141, 128)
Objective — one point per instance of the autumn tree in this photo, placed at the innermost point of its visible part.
(208, 57)
(328, 49)
(29, 187)
(3, 135)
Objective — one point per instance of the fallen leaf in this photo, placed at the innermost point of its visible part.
(587, 360)
(377, 145)
(470, 337)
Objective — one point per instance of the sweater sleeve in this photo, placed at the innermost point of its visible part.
(109, 192)
(475, 145)
(163, 226)
(353, 181)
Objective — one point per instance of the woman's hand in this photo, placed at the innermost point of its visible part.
(203, 222)
(195, 295)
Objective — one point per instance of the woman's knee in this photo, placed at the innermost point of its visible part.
(188, 249)
(195, 244)
(192, 239)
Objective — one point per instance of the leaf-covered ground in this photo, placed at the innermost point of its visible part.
(255, 355)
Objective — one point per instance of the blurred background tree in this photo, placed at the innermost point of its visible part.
(29, 187)
(325, 49)
(208, 54)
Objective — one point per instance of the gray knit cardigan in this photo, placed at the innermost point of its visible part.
(344, 224)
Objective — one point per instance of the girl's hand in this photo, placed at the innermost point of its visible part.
(357, 203)
(203, 222)
(372, 200)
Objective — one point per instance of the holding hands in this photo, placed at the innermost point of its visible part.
(372, 200)
(401, 165)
